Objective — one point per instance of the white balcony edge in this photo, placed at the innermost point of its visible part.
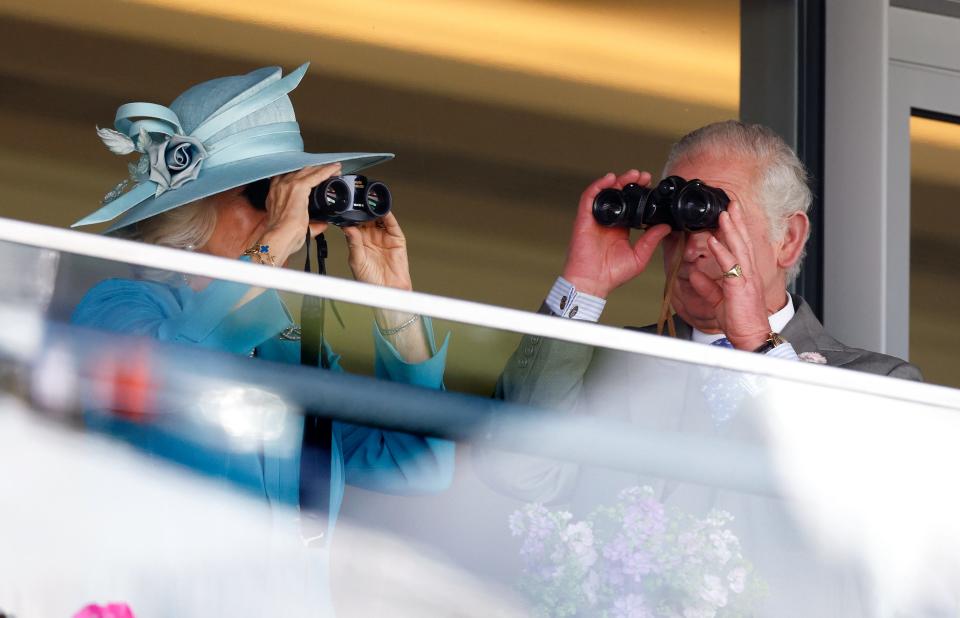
(468, 312)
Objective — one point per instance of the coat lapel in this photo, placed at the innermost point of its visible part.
(804, 331)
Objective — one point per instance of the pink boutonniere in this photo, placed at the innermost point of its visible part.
(111, 610)
(813, 357)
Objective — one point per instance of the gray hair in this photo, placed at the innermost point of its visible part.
(783, 183)
(186, 227)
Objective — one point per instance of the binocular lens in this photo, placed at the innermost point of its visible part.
(343, 200)
(609, 207)
(699, 207)
(378, 199)
(336, 196)
(695, 206)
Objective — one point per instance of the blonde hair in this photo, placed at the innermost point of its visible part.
(783, 183)
(187, 227)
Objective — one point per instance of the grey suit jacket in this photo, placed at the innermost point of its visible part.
(806, 334)
(550, 374)
(667, 396)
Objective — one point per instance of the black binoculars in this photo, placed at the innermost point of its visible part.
(342, 200)
(689, 206)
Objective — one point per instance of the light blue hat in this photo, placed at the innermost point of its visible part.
(217, 135)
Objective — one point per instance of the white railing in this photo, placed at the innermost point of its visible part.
(468, 312)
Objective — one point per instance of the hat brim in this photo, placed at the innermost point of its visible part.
(228, 176)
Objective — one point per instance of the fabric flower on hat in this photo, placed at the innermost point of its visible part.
(170, 162)
(175, 161)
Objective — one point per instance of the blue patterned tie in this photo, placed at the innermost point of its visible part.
(722, 390)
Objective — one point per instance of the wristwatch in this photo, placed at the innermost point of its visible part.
(773, 340)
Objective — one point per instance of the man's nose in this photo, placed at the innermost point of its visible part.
(696, 246)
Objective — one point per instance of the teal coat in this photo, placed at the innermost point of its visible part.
(385, 461)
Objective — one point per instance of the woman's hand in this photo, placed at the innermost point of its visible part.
(378, 253)
(287, 217)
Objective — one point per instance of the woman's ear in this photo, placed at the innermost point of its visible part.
(794, 239)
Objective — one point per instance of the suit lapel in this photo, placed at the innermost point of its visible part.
(805, 332)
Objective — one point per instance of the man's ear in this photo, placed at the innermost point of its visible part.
(794, 238)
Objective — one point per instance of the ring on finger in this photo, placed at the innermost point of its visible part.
(734, 272)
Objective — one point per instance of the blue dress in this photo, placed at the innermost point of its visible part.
(385, 461)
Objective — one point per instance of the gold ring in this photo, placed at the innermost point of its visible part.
(736, 271)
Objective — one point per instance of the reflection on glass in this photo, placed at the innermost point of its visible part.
(934, 247)
(28, 275)
(246, 414)
(633, 493)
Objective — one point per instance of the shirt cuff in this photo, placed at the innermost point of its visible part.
(784, 351)
(565, 301)
(390, 365)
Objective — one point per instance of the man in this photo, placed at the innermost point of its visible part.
(730, 290)
(764, 232)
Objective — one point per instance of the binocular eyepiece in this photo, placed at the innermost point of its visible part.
(689, 206)
(349, 200)
(342, 200)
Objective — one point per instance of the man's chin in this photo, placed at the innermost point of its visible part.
(696, 312)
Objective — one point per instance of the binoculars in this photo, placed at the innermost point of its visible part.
(689, 206)
(342, 200)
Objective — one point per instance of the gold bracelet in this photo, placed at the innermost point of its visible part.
(393, 331)
(260, 251)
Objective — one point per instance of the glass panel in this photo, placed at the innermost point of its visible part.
(499, 112)
(596, 482)
(934, 247)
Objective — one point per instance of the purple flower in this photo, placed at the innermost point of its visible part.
(537, 525)
(737, 579)
(637, 565)
(633, 559)
(724, 544)
(713, 591)
(699, 612)
(631, 606)
(590, 586)
(579, 540)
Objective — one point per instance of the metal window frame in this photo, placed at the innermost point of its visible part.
(782, 86)
(882, 63)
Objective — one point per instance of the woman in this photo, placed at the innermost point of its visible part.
(187, 191)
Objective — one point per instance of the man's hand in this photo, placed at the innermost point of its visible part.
(741, 310)
(601, 259)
